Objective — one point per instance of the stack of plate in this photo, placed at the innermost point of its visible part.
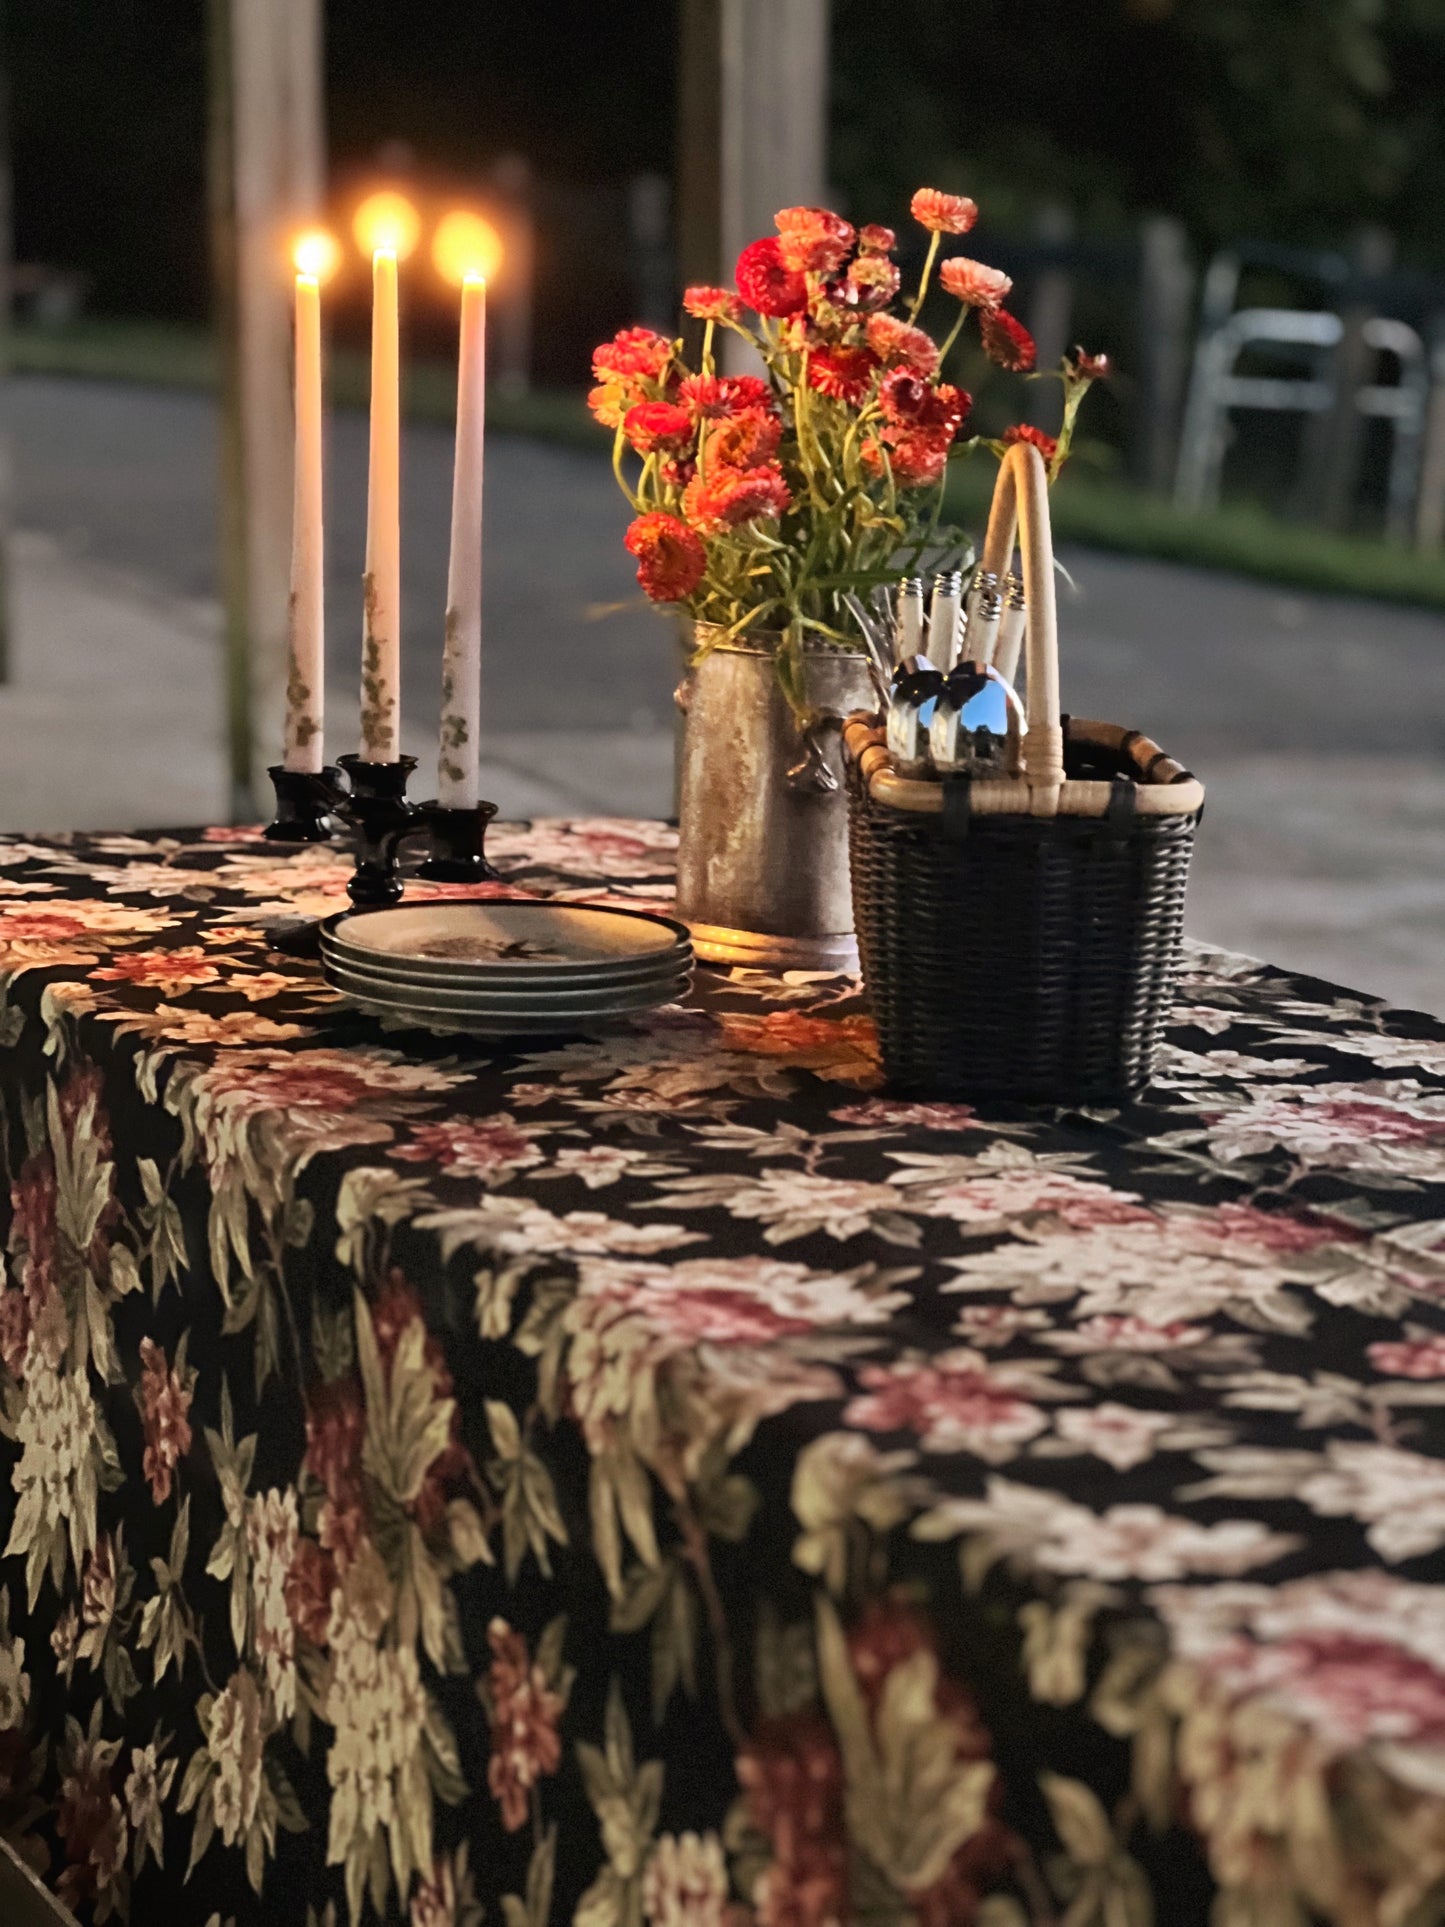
(506, 969)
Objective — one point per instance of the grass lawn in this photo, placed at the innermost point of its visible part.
(1102, 512)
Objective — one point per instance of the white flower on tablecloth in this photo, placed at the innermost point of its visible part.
(378, 1708)
(600, 1164)
(1122, 1436)
(147, 1784)
(794, 1204)
(1383, 1128)
(1178, 1265)
(517, 1228)
(170, 1024)
(980, 1195)
(490, 1148)
(686, 1883)
(55, 1480)
(1042, 1529)
(1116, 1333)
(234, 1742)
(271, 1530)
(14, 1682)
(1356, 1657)
(1398, 1495)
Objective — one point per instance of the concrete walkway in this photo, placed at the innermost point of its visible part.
(1317, 724)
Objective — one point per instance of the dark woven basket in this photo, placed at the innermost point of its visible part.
(1013, 953)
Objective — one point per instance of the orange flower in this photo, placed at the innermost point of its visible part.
(766, 282)
(917, 456)
(893, 341)
(843, 373)
(813, 239)
(657, 424)
(843, 1049)
(712, 304)
(670, 558)
(742, 440)
(943, 213)
(1007, 341)
(1047, 445)
(974, 283)
(732, 496)
(632, 351)
(610, 401)
(876, 240)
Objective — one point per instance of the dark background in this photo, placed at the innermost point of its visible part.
(1292, 120)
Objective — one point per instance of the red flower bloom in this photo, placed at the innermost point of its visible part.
(164, 1407)
(813, 239)
(335, 1428)
(895, 341)
(973, 282)
(766, 282)
(843, 373)
(676, 473)
(635, 352)
(711, 304)
(746, 391)
(656, 424)
(902, 395)
(309, 1585)
(792, 1778)
(742, 440)
(670, 558)
(1047, 445)
(943, 213)
(524, 1712)
(733, 496)
(871, 282)
(917, 456)
(705, 397)
(1007, 341)
(876, 240)
(1087, 367)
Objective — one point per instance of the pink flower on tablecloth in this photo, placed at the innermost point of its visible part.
(1389, 1127)
(97, 1600)
(164, 1406)
(955, 1402)
(471, 1147)
(309, 1586)
(1113, 1333)
(92, 1823)
(1410, 1357)
(335, 1428)
(1122, 1436)
(996, 1325)
(791, 1774)
(604, 847)
(525, 1711)
(1356, 1657)
(73, 932)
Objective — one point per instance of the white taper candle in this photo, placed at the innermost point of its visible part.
(306, 616)
(381, 643)
(457, 764)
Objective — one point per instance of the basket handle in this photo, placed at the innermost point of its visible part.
(1020, 513)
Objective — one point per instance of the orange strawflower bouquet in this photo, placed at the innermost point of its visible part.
(762, 500)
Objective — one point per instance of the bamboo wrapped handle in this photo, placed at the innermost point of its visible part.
(1020, 513)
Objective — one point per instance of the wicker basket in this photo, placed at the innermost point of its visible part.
(1019, 937)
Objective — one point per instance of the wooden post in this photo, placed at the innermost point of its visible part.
(1050, 314)
(1166, 300)
(7, 318)
(1332, 451)
(266, 175)
(1430, 500)
(752, 132)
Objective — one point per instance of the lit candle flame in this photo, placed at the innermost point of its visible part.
(316, 253)
(387, 223)
(465, 247)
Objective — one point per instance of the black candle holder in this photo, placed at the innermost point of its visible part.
(383, 819)
(307, 803)
(458, 844)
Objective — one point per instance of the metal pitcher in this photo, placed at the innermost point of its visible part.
(762, 872)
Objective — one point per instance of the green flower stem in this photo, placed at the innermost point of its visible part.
(928, 262)
(953, 333)
(619, 442)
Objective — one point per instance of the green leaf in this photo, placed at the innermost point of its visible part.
(1079, 1820)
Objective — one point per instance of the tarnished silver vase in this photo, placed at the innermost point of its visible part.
(762, 871)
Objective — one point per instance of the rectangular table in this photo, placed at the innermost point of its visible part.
(660, 1479)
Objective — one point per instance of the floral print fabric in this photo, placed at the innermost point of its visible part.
(661, 1481)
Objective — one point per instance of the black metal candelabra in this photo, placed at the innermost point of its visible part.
(367, 802)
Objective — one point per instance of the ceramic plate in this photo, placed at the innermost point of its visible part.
(509, 978)
(460, 998)
(507, 939)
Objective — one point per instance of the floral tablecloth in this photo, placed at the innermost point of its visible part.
(661, 1480)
